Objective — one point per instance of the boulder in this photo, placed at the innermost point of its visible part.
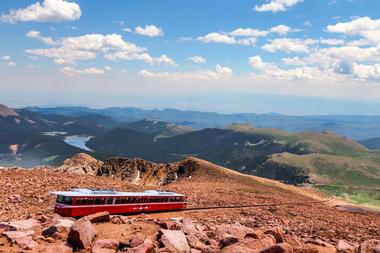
(13, 235)
(49, 231)
(251, 245)
(313, 248)
(24, 225)
(188, 227)
(137, 240)
(98, 217)
(279, 248)
(64, 224)
(146, 247)
(58, 248)
(81, 234)
(26, 243)
(105, 245)
(278, 233)
(228, 240)
(175, 240)
(344, 246)
(194, 242)
(370, 246)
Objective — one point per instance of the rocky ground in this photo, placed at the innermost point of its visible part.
(29, 224)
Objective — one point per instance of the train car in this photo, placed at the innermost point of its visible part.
(82, 202)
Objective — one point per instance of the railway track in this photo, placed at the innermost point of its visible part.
(256, 205)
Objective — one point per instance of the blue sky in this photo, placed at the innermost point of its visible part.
(227, 56)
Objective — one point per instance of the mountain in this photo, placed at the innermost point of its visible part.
(373, 143)
(323, 159)
(282, 218)
(357, 127)
(157, 128)
(6, 111)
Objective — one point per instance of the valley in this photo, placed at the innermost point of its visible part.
(334, 164)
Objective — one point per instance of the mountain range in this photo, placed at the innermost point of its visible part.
(333, 163)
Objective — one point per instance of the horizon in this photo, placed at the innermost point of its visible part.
(296, 57)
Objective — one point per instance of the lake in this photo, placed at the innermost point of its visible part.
(78, 141)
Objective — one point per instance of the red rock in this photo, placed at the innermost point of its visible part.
(49, 231)
(175, 240)
(188, 227)
(13, 235)
(256, 234)
(250, 245)
(64, 224)
(146, 247)
(24, 225)
(370, 246)
(313, 248)
(278, 233)
(194, 242)
(81, 234)
(228, 240)
(344, 246)
(26, 243)
(137, 240)
(279, 248)
(106, 244)
(98, 217)
(58, 248)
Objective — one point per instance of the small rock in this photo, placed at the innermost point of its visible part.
(24, 225)
(98, 217)
(344, 246)
(58, 248)
(175, 240)
(106, 244)
(372, 246)
(137, 240)
(146, 247)
(278, 233)
(228, 240)
(26, 243)
(81, 234)
(279, 248)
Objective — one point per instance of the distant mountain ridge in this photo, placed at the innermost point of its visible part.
(6, 111)
(357, 127)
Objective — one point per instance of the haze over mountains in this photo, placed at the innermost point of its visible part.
(333, 163)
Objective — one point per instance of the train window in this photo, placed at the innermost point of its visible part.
(68, 201)
(109, 201)
(59, 199)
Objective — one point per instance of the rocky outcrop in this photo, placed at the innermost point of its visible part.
(82, 164)
(140, 171)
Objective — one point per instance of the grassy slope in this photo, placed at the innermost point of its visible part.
(336, 165)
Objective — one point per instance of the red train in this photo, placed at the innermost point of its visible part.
(81, 202)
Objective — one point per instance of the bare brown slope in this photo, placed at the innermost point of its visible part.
(6, 111)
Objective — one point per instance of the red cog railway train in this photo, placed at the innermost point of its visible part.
(81, 202)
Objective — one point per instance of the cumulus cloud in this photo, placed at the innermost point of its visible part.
(70, 71)
(332, 42)
(257, 63)
(281, 29)
(289, 45)
(68, 50)
(365, 27)
(37, 35)
(295, 61)
(7, 61)
(149, 30)
(248, 32)
(366, 71)
(226, 39)
(277, 5)
(197, 59)
(48, 11)
(220, 72)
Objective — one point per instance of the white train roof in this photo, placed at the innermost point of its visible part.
(111, 193)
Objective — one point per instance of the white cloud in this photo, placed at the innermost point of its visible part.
(70, 71)
(226, 39)
(289, 45)
(365, 27)
(220, 72)
(197, 59)
(87, 47)
(37, 35)
(332, 42)
(248, 32)
(277, 5)
(127, 30)
(49, 10)
(366, 71)
(164, 59)
(257, 63)
(149, 30)
(7, 61)
(295, 61)
(281, 29)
